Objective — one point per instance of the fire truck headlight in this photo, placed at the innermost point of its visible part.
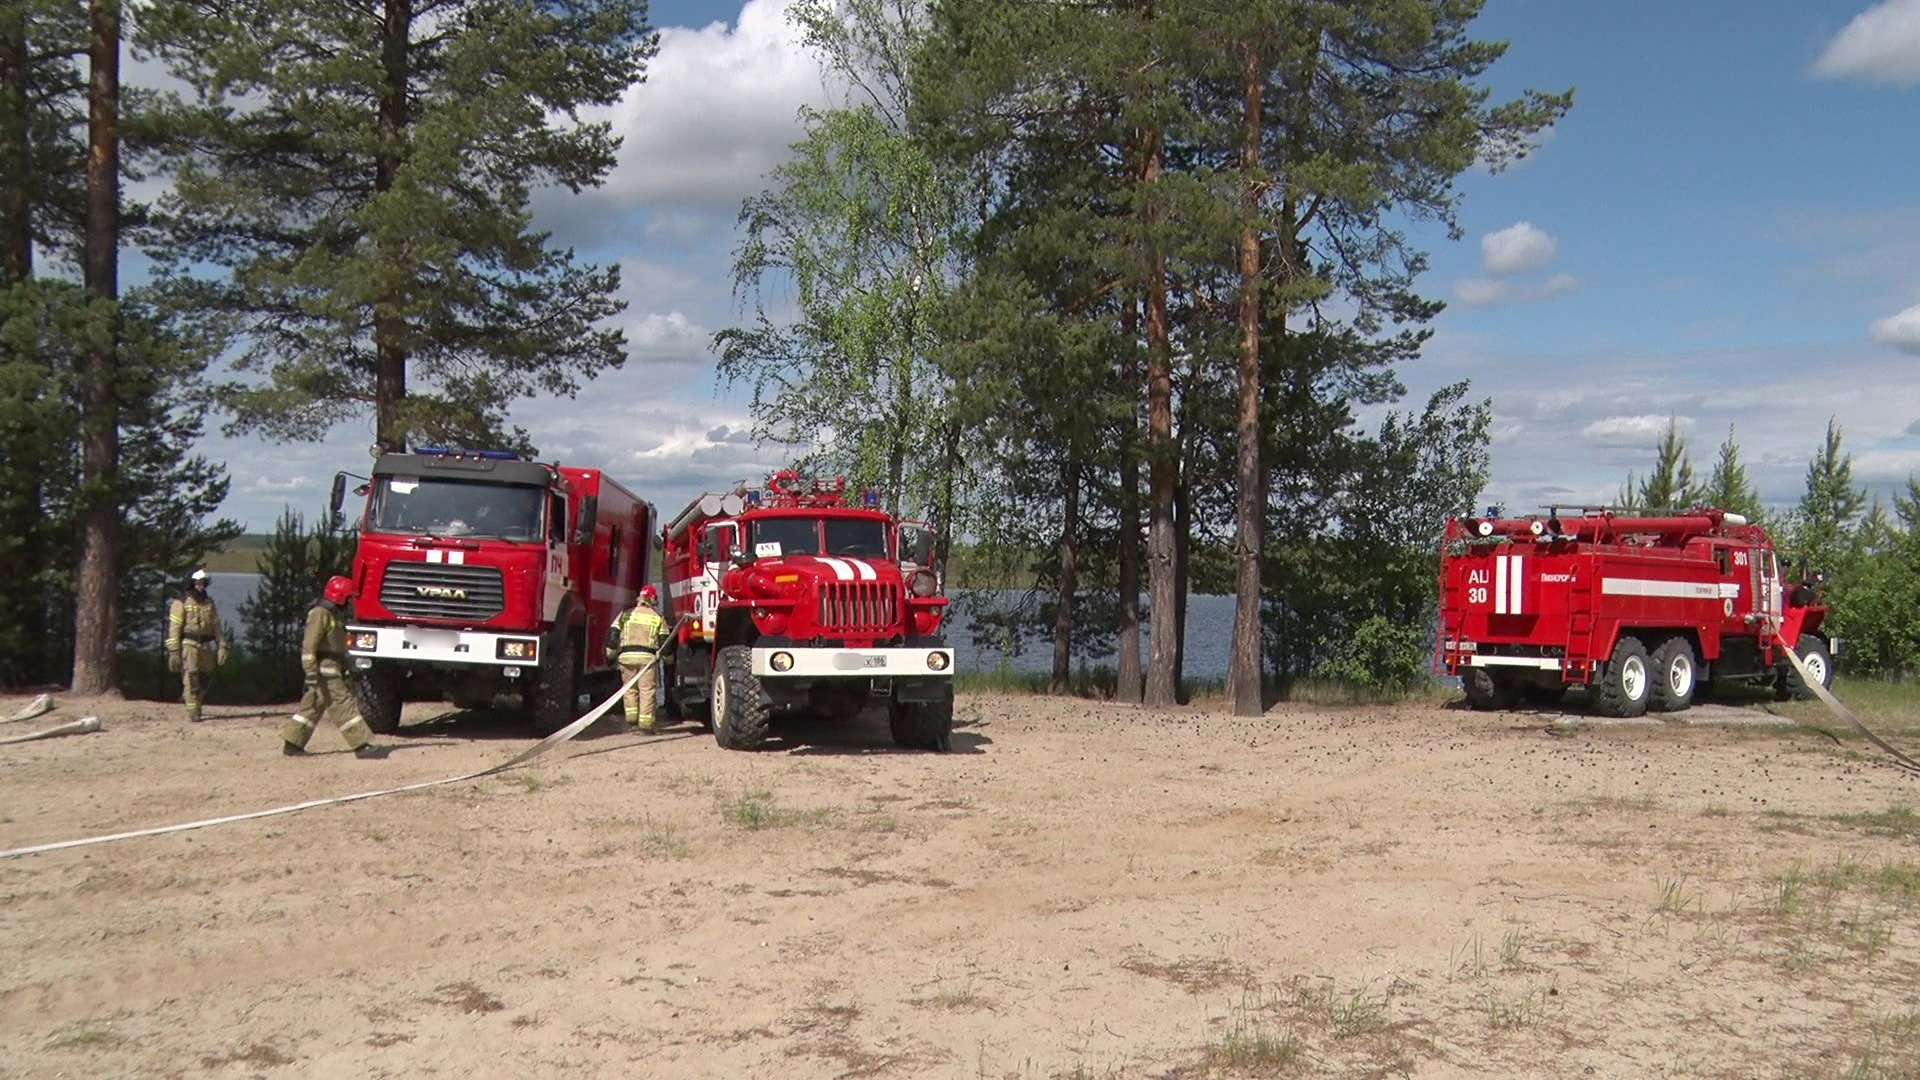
(936, 661)
(364, 641)
(923, 583)
(517, 650)
(781, 661)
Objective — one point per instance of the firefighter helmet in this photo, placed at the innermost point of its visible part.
(338, 589)
(648, 594)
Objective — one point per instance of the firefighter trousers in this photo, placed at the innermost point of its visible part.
(327, 699)
(197, 660)
(639, 696)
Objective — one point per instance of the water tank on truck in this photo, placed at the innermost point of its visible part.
(480, 574)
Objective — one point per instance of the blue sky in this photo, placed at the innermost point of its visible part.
(1725, 229)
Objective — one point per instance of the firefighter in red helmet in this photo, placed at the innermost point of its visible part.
(323, 658)
(636, 638)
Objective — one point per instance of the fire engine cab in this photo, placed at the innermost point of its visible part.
(801, 597)
(1642, 609)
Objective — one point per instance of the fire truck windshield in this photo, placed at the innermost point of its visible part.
(435, 507)
(865, 537)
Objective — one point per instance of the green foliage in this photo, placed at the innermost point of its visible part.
(855, 235)
(1825, 523)
(294, 567)
(1728, 487)
(166, 493)
(364, 186)
(1379, 653)
(1372, 556)
(1671, 484)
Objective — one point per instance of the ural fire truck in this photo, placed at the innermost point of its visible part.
(480, 573)
(800, 597)
(1640, 609)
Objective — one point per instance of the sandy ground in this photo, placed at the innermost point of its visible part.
(1079, 890)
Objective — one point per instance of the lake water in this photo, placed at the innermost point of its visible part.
(1208, 638)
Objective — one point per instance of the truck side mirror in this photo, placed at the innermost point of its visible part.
(710, 546)
(589, 517)
(339, 496)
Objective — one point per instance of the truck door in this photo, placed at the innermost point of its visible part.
(556, 575)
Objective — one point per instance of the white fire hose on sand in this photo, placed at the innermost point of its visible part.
(534, 751)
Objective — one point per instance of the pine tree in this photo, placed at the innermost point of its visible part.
(96, 589)
(1671, 484)
(362, 174)
(293, 569)
(1831, 507)
(1728, 488)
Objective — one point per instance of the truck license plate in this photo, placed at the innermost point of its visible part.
(873, 661)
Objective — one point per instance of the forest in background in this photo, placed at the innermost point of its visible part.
(1119, 293)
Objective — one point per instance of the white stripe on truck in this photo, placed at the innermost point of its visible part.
(1678, 590)
(1507, 579)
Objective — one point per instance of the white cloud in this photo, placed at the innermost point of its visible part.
(671, 338)
(1517, 248)
(1900, 330)
(1881, 44)
(718, 110)
(1506, 253)
(1632, 430)
(1482, 292)
(1887, 466)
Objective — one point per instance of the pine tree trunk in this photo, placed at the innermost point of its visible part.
(1243, 667)
(1066, 583)
(96, 588)
(1163, 458)
(1129, 684)
(1182, 548)
(16, 148)
(389, 345)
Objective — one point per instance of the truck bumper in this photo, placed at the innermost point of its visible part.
(1544, 663)
(422, 645)
(810, 663)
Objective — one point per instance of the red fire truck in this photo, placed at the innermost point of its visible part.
(1641, 609)
(480, 573)
(800, 597)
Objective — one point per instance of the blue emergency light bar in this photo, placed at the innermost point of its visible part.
(497, 455)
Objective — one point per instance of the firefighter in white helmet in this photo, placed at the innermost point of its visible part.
(196, 642)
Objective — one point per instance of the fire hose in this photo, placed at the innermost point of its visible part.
(536, 750)
(1820, 691)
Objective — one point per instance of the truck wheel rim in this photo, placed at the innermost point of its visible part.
(1633, 678)
(1680, 677)
(720, 696)
(1816, 667)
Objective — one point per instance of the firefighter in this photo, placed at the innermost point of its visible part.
(196, 642)
(323, 658)
(637, 635)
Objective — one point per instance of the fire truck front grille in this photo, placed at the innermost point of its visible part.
(853, 606)
(443, 591)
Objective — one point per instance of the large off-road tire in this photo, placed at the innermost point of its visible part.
(1488, 688)
(376, 691)
(1818, 659)
(922, 725)
(740, 707)
(1676, 676)
(556, 689)
(1626, 683)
